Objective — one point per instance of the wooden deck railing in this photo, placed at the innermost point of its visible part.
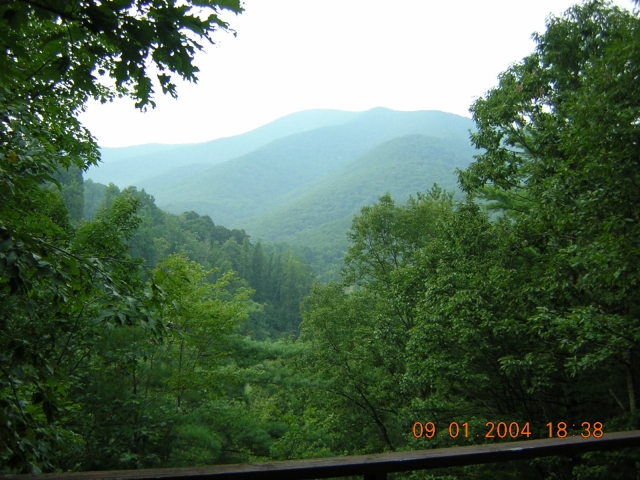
(372, 467)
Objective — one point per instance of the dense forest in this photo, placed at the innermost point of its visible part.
(133, 337)
(304, 189)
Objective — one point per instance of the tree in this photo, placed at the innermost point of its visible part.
(56, 55)
(59, 47)
(360, 333)
(562, 129)
(60, 292)
(202, 317)
(559, 139)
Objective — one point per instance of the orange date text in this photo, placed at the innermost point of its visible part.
(510, 430)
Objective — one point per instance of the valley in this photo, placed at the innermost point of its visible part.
(305, 176)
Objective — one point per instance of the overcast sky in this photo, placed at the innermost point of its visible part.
(293, 55)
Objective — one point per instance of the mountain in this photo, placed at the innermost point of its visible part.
(320, 216)
(304, 186)
(132, 165)
(280, 172)
(110, 155)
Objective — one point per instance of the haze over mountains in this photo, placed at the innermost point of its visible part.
(301, 178)
(130, 165)
(319, 213)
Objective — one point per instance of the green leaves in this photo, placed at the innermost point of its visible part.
(57, 45)
(62, 290)
(560, 138)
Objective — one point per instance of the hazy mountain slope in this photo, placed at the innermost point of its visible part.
(110, 155)
(392, 123)
(402, 166)
(252, 184)
(179, 174)
(269, 177)
(131, 165)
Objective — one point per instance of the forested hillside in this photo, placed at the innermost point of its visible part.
(130, 166)
(304, 188)
(133, 337)
(277, 173)
(280, 280)
(316, 214)
(320, 215)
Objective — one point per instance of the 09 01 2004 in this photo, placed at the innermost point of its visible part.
(512, 430)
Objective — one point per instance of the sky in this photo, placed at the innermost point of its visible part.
(294, 55)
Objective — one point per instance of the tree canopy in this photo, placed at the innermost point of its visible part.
(64, 48)
(133, 338)
(57, 287)
(528, 315)
(561, 134)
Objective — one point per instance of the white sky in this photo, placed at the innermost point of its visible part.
(293, 55)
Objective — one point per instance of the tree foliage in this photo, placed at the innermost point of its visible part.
(135, 338)
(510, 318)
(57, 288)
(562, 130)
(60, 49)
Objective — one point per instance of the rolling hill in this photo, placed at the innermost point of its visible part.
(303, 188)
(321, 215)
(278, 173)
(132, 165)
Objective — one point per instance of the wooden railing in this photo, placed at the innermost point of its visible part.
(372, 467)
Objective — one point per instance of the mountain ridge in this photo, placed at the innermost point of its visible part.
(401, 166)
(131, 165)
(261, 180)
(305, 188)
